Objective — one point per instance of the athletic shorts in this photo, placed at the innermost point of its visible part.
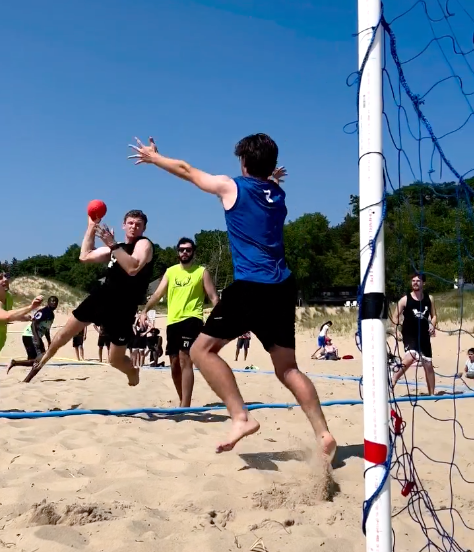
(321, 340)
(266, 310)
(114, 313)
(243, 343)
(181, 335)
(418, 347)
(103, 341)
(139, 342)
(78, 341)
(32, 350)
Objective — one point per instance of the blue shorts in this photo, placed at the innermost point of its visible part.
(321, 340)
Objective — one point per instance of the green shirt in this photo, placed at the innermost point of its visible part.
(7, 305)
(186, 293)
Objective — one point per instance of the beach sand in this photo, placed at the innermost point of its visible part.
(146, 483)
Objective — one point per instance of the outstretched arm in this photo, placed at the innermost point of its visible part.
(219, 185)
(18, 315)
(210, 288)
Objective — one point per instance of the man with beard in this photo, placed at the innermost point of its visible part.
(187, 285)
(417, 309)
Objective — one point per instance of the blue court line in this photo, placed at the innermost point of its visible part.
(269, 372)
(197, 409)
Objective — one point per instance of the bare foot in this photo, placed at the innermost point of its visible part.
(240, 429)
(10, 365)
(329, 446)
(133, 377)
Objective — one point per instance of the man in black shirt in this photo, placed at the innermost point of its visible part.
(417, 309)
(33, 334)
(114, 304)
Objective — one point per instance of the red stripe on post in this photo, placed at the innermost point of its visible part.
(375, 453)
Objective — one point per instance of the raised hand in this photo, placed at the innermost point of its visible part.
(143, 320)
(36, 302)
(106, 234)
(279, 175)
(145, 154)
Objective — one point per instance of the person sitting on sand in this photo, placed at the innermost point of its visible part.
(330, 350)
(469, 367)
(323, 331)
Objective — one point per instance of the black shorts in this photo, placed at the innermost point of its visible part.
(243, 343)
(78, 341)
(139, 342)
(266, 310)
(103, 341)
(114, 313)
(181, 335)
(32, 350)
(418, 347)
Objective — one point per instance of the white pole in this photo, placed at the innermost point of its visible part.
(374, 352)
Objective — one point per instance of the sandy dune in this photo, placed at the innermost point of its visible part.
(147, 483)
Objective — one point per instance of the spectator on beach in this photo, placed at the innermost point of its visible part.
(330, 350)
(469, 367)
(323, 331)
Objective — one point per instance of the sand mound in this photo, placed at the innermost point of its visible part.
(25, 288)
(49, 513)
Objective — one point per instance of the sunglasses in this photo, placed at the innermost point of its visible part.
(5, 275)
(185, 249)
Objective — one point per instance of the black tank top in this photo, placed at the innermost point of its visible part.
(130, 288)
(416, 316)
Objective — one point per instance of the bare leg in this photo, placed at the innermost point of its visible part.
(300, 385)
(187, 378)
(76, 350)
(23, 362)
(63, 336)
(430, 376)
(237, 351)
(176, 375)
(246, 352)
(407, 361)
(100, 353)
(313, 356)
(219, 376)
(81, 352)
(120, 360)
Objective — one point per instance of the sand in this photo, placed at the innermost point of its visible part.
(147, 483)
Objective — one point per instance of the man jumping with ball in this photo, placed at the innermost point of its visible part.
(262, 298)
(114, 304)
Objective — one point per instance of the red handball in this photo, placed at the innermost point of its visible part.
(96, 209)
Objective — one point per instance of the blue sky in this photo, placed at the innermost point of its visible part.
(81, 78)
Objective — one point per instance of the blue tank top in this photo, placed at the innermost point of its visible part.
(255, 228)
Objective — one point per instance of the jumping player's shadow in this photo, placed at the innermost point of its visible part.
(204, 417)
(266, 460)
(344, 452)
(438, 394)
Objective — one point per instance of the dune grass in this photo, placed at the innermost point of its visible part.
(25, 288)
(454, 309)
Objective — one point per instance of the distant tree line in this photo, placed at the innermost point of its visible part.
(427, 227)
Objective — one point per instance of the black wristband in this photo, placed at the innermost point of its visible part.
(115, 246)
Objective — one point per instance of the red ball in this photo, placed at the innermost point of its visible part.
(96, 209)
